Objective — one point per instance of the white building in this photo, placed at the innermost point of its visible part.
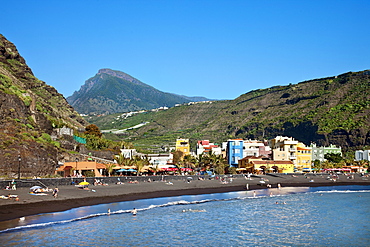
(362, 155)
(160, 160)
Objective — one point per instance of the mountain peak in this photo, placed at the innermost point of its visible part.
(111, 91)
(119, 74)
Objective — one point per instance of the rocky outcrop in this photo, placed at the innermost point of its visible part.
(29, 111)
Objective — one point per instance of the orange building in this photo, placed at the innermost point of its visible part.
(79, 168)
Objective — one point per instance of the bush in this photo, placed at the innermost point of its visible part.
(89, 174)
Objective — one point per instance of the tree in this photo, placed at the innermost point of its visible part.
(332, 157)
(109, 168)
(177, 156)
(189, 161)
(94, 130)
(140, 162)
(212, 161)
(317, 165)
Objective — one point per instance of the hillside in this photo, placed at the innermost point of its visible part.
(29, 112)
(329, 110)
(111, 91)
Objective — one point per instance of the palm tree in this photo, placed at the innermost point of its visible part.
(189, 161)
(140, 162)
(212, 161)
(109, 168)
(119, 158)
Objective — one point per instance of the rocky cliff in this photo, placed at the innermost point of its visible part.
(30, 111)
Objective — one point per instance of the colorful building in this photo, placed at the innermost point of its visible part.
(238, 149)
(284, 148)
(255, 148)
(259, 165)
(304, 158)
(234, 151)
(79, 168)
(205, 146)
(183, 145)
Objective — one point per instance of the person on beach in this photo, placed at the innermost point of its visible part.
(14, 185)
(55, 192)
(134, 212)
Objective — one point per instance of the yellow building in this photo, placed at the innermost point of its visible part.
(183, 145)
(273, 166)
(284, 148)
(304, 158)
(258, 165)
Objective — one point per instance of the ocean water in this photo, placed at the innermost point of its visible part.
(322, 216)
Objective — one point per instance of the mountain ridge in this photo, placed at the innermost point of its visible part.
(112, 91)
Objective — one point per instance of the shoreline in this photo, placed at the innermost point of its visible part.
(72, 197)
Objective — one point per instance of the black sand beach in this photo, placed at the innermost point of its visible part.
(71, 197)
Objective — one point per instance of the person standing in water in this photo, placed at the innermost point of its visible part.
(134, 211)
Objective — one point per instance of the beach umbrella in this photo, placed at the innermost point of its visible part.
(35, 187)
(131, 170)
(84, 183)
(121, 170)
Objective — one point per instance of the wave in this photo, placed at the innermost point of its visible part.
(341, 191)
(265, 194)
(168, 204)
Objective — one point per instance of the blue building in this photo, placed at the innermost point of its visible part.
(234, 151)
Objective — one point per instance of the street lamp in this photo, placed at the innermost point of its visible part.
(19, 166)
(76, 165)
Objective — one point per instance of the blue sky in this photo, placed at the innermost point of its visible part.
(216, 49)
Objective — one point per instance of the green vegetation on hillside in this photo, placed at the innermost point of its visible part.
(330, 110)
